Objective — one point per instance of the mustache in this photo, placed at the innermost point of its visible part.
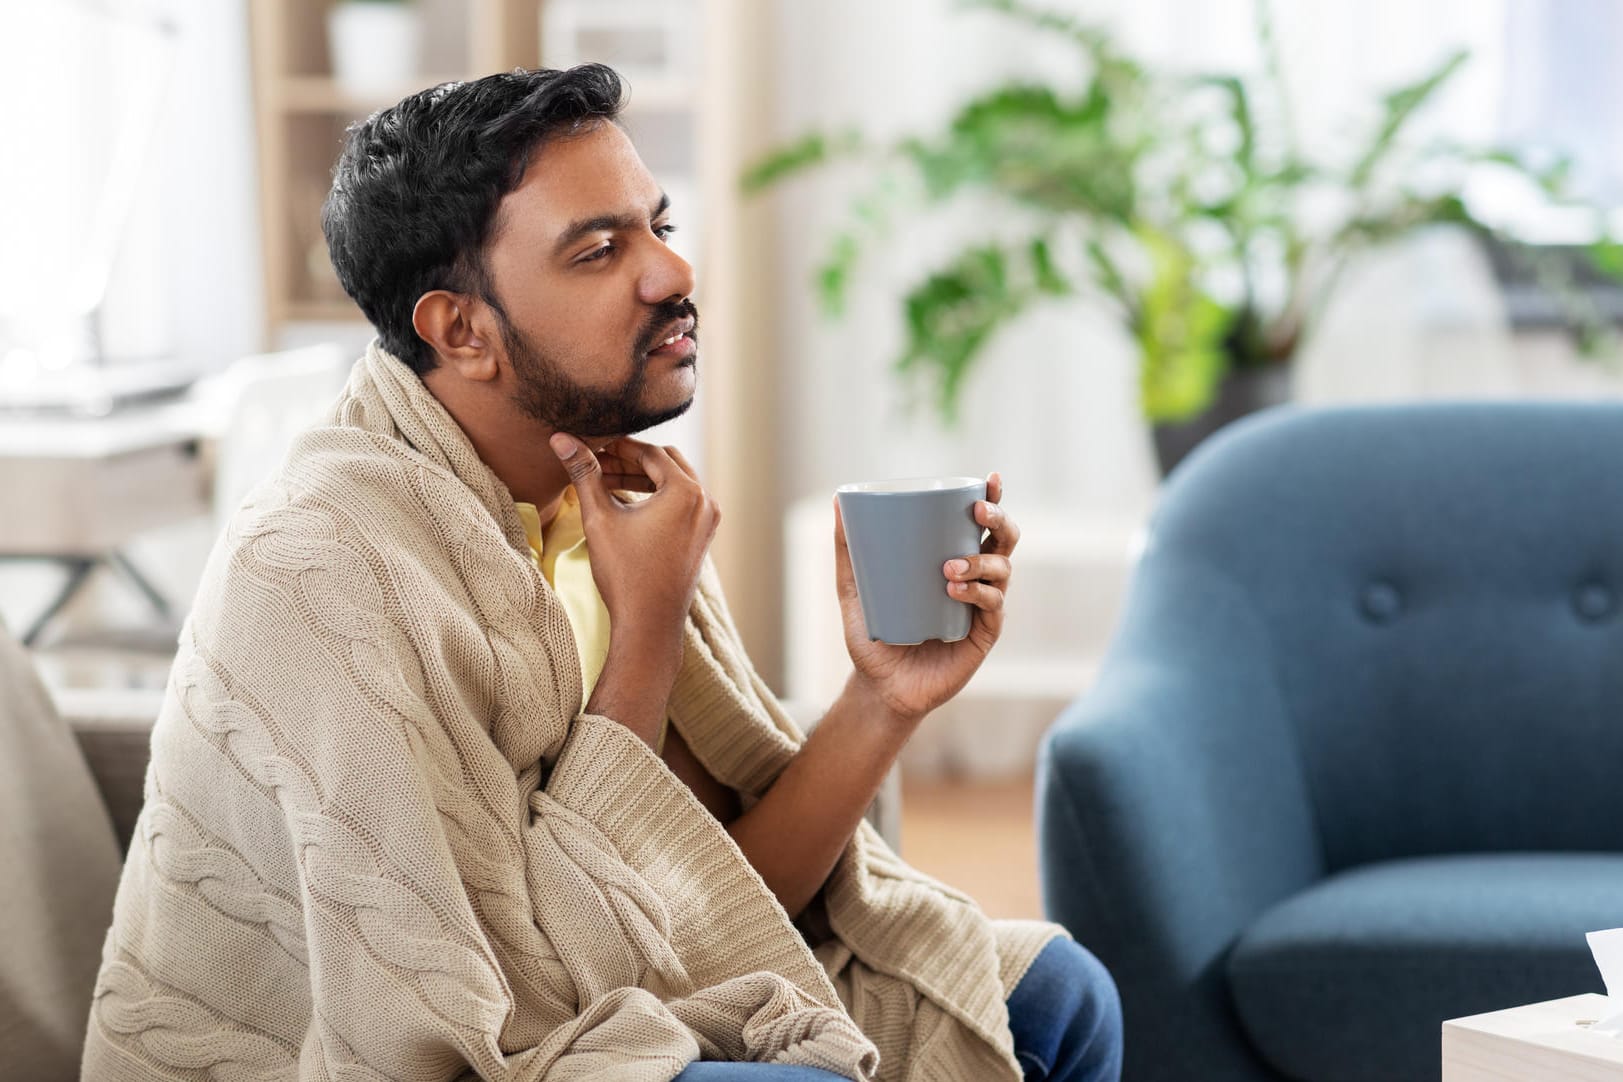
(660, 320)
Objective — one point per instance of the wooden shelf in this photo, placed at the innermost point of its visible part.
(322, 94)
(301, 112)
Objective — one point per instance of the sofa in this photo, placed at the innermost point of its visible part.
(1353, 763)
(61, 856)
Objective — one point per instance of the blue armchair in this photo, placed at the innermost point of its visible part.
(1354, 762)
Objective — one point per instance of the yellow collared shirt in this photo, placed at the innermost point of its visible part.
(559, 553)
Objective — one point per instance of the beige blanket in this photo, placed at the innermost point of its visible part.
(381, 842)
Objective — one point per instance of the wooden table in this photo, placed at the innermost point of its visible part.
(1539, 1041)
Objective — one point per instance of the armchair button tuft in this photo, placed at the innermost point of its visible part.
(1594, 602)
(1381, 602)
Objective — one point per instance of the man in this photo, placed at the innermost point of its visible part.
(436, 796)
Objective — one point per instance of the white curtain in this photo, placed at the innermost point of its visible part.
(129, 179)
(1564, 87)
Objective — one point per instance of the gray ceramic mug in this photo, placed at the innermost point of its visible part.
(900, 533)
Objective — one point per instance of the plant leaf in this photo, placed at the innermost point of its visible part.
(1607, 256)
(797, 157)
(1094, 42)
(954, 312)
(1048, 278)
(1397, 107)
(1410, 212)
(1180, 332)
(1240, 112)
(1026, 143)
(834, 276)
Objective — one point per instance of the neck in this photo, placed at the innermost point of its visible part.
(510, 442)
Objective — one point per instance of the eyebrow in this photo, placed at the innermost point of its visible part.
(603, 222)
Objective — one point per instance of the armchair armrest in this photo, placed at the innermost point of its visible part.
(1172, 810)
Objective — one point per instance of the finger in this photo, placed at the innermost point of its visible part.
(845, 581)
(676, 457)
(651, 460)
(992, 568)
(994, 487)
(986, 598)
(619, 454)
(624, 453)
(581, 465)
(1004, 534)
(625, 456)
(613, 463)
(627, 482)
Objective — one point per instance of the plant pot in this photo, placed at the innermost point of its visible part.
(374, 45)
(1243, 391)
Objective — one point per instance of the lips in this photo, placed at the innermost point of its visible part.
(682, 348)
(673, 334)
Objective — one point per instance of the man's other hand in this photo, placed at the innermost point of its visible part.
(911, 681)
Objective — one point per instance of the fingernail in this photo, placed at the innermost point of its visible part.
(957, 567)
(563, 446)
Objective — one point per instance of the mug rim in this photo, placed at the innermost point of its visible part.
(912, 485)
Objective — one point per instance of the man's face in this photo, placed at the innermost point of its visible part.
(579, 263)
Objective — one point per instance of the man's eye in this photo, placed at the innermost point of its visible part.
(597, 253)
(663, 232)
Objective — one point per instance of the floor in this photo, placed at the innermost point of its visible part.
(979, 836)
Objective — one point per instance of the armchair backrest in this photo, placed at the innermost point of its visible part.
(1442, 587)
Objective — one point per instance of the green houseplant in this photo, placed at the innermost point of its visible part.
(1187, 203)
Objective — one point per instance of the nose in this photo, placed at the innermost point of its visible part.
(667, 277)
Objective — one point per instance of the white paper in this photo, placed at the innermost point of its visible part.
(1607, 947)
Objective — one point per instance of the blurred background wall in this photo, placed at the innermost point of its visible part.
(793, 402)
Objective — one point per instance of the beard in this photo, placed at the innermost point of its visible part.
(547, 393)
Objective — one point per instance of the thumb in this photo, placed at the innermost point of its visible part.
(845, 582)
(582, 467)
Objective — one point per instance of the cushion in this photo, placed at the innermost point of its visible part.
(1351, 979)
(61, 863)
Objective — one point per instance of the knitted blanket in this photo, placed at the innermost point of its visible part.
(381, 841)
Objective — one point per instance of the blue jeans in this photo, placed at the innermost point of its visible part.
(1064, 1014)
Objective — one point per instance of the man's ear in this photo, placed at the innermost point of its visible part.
(456, 326)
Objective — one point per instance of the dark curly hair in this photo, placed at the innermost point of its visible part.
(416, 188)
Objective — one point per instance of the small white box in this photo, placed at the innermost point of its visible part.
(1539, 1041)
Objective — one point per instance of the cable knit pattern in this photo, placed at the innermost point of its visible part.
(381, 841)
(183, 1033)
